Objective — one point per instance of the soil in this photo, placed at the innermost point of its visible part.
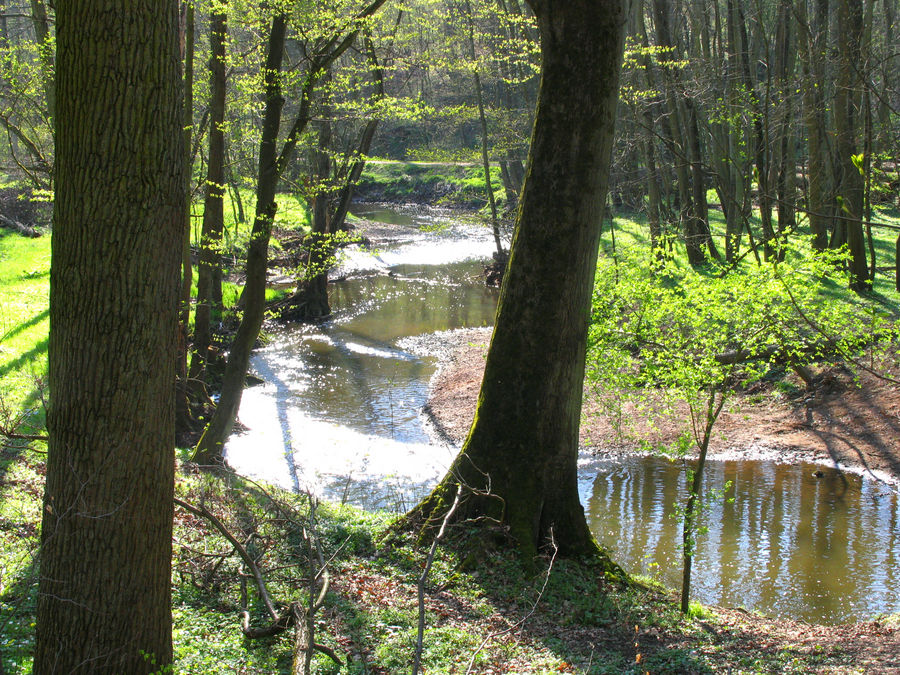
(853, 424)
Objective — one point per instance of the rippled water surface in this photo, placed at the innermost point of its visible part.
(341, 410)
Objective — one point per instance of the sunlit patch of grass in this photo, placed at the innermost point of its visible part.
(24, 318)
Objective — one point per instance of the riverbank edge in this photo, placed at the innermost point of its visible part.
(849, 423)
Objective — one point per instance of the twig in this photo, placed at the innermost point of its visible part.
(424, 578)
(203, 512)
(520, 622)
(23, 437)
(836, 343)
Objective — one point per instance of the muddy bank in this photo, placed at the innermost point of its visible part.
(839, 423)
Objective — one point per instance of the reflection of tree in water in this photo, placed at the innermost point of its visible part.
(811, 547)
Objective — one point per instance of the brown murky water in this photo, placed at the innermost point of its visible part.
(783, 540)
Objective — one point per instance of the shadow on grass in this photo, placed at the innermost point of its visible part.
(39, 349)
(33, 321)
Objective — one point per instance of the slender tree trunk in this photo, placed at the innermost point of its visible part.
(523, 445)
(849, 189)
(689, 527)
(811, 47)
(272, 165)
(209, 272)
(676, 135)
(183, 418)
(104, 599)
(760, 145)
(785, 180)
(209, 449)
(648, 143)
(485, 160)
(310, 301)
(45, 49)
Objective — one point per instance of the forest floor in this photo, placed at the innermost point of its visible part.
(843, 422)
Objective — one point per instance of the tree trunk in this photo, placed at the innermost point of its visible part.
(485, 160)
(785, 180)
(678, 139)
(272, 165)
(183, 418)
(811, 47)
(209, 449)
(849, 189)
(45, 49)
(104, 601)
(523, 445)
(209, 272)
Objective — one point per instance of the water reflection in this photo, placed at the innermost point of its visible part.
(340, 414)
(790, 543)
(340, 410)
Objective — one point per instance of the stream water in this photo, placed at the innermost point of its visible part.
(341, 414)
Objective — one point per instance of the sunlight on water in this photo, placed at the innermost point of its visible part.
(340, 414)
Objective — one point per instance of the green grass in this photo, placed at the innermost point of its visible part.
(24, 318)
(447, 184)
(581, 623)
(632, 229)
(293, 215)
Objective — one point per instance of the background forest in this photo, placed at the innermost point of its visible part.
(751, 235)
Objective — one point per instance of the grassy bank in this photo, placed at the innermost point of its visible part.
(480, 610)
(441, 184)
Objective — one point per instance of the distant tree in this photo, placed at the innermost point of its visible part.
(337, 36)
(209, 273)
(104, 599)
(520, 454)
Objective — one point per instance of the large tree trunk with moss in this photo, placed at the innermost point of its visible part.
(523, 445)
(104, 600)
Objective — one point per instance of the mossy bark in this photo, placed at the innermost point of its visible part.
(521, 453)
(104, 599)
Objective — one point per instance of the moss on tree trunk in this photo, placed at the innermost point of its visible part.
(523, 445)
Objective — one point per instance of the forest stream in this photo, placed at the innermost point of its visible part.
(340, 414)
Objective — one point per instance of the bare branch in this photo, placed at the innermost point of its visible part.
(520, 622)
(423, 578)
(203, 512)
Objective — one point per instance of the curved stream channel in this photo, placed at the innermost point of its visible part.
(341, 414)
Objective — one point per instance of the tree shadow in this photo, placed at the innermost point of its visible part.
(33, 321)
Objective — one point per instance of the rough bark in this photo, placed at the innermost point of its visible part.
(209, 272)
(849, 188)
(104, 595)
(522, 447)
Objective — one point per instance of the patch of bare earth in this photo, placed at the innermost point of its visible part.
(853, 423)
